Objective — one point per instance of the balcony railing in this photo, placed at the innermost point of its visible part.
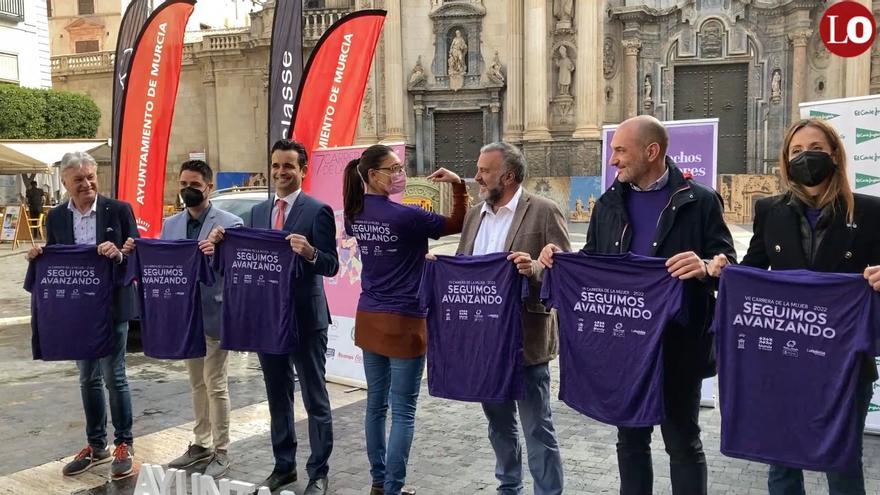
(316, 22)
(12, 9)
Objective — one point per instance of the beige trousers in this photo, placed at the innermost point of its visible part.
(210, 396)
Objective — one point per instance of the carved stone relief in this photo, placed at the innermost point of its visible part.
(711, 39)
(819, 56)
(776, 86)
(417, 75)
(609, 58)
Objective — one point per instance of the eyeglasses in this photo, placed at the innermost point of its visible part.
(394, 170)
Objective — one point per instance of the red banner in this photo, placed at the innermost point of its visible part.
(147, 113)
(335, 78)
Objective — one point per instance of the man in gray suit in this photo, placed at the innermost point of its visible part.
(207, 375)
(513, 220)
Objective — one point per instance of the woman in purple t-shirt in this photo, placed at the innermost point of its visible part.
(819, 224)
(392, 240)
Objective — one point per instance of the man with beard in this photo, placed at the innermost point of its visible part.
(511, 219)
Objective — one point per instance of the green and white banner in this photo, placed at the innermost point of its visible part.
(858, 122)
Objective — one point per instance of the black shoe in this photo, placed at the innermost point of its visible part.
(276, 480)
(87, 458)
(317, 487)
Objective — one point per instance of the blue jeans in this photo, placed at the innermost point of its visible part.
(545, 462)
(789, 481)
(401, 380)
(94, 375)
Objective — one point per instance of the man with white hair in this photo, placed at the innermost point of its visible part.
(89, 218)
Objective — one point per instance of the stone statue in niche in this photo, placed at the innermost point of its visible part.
(457, 55)
(417, 75)
(710, 40)
(649, 88)
(608, 59)
(562, 10)
(566, 67)
(494, 74)
(776, 86)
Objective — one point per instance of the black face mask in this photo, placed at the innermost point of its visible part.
(192, 196)
(810, 168)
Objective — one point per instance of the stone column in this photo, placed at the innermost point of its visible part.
(213, 151)
(419, 111)
(536, 66)
(858, 69)
(513, 106)
(394, 93)
(799, 40)
(631, 47)
(589, 100)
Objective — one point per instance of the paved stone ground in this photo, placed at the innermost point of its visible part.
(451, 455)
(41, 423)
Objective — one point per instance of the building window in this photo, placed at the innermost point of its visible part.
(48, 8)
(313, 4)
(87, 46)
(86, 7)
(8, 67)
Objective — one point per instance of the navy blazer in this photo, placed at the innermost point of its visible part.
(314, 220)
(115, 223)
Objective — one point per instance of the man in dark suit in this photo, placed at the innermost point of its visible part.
(313, 236)
(89, 218)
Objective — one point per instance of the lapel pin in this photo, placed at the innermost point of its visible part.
(778, 248)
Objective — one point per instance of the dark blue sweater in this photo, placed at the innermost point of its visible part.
(643, 209)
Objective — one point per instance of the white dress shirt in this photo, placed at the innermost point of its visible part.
(85, 227)
(494, 226)
(289, 199)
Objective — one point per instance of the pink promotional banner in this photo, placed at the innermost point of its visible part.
(344, 359)
(693, 146)
(326, 169)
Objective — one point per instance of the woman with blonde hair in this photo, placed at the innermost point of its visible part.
(818, 224)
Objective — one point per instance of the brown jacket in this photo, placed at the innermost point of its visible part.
(536, 223)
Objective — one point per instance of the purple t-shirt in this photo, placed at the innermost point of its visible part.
(169, 275)
(613, 311)
(258, 306)
(790, 344)
(475, 350)
(393, 240)
(71, 290)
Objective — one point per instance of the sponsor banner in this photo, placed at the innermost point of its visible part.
(133, 21)
(858, 122)
(328, 104)
(285, 67)
(344, 360)
(147, 113)
(693, 146)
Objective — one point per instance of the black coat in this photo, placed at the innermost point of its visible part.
(779, 235)
(115, 222)
(781, 230)
(692, 221)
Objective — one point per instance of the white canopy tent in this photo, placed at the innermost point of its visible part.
(37, 156)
